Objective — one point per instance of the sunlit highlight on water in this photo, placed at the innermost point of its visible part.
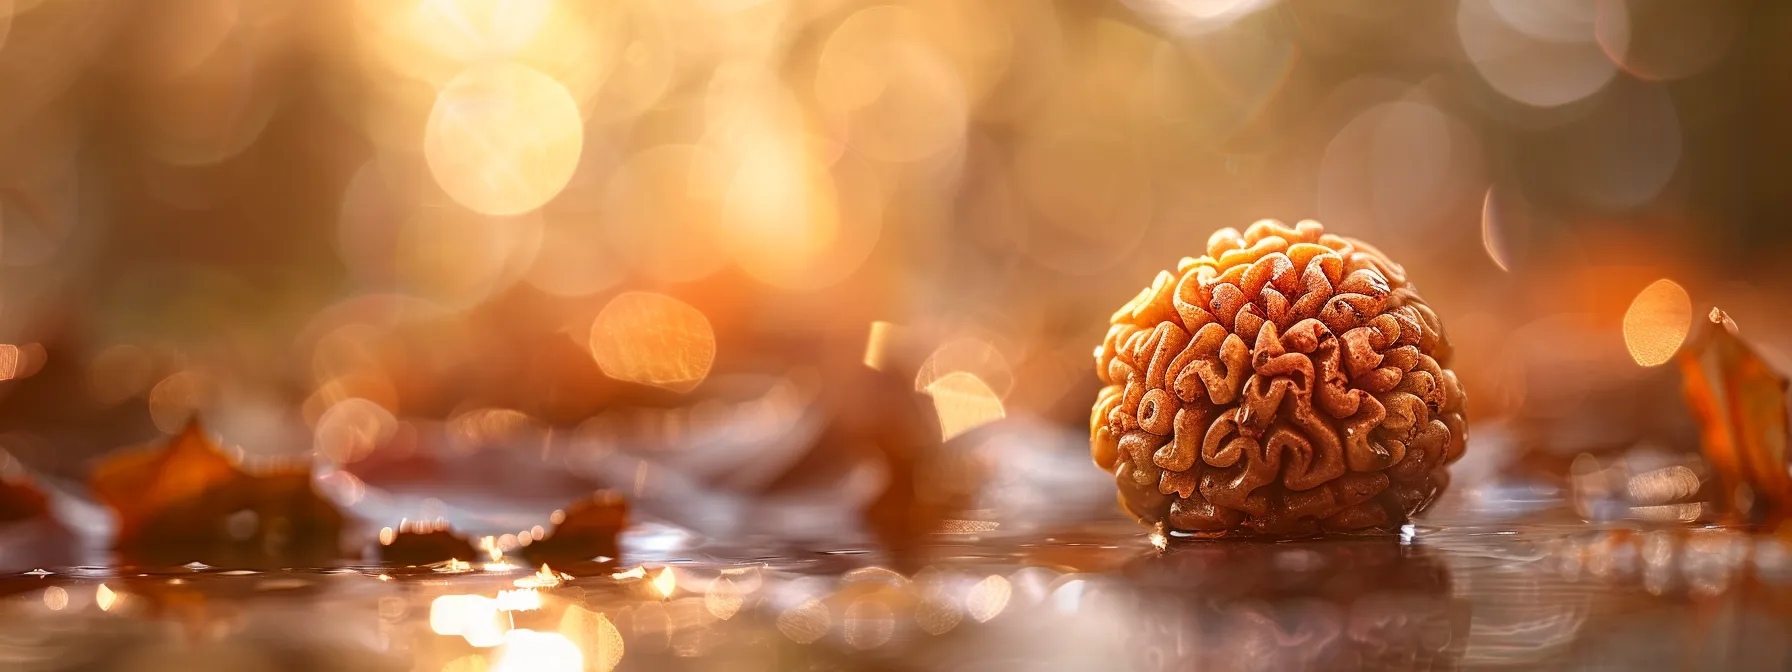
(475, 618)
(531, 651)
(520, 599)
(665, 582)
(545, 577)
(105, 598)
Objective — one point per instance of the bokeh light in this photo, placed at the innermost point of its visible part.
(1543, 54)
(596, 637)
(531, 651)
(963, 402)
(20, 361)
(868, 623)
(56, 598)
(1496, 228)
(665, 582)
(653, 339)
(988, 598)
(475, 618)
(503, 139)
(805, 622)
(970, 355)
(722, 598)
(1657, 322)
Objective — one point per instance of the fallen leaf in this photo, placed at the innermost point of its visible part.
(586, 529)
(20, 499)
(186, 500)
(139, 483)
(423, 543)
(1740, 403)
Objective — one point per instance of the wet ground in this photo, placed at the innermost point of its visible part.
(1534, 596)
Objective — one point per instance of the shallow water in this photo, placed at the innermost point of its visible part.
(1534, 596)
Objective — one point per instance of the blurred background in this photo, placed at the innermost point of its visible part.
(368, 230)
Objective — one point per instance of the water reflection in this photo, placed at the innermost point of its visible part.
(1347, 604)
(1086, 598)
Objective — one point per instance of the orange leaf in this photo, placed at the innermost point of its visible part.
(141, 482)
(189, 501)
(585, 529)
(1740, 402)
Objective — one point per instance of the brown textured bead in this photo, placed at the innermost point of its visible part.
(1288, 383)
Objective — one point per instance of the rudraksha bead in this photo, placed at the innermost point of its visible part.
(1288, 383)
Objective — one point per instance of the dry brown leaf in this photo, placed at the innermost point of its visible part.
(424, 543)
(586, 529)
(1740, 402)
(20, 499)
(186, 500)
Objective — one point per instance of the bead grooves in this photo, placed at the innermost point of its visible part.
(1288, 383)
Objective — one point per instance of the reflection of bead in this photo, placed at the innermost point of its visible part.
(1287, 383)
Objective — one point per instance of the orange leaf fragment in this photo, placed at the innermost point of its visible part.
(20, 498)
(140, 482)
(1740, 403)
(584, 530)
(186, 500)
(422, 543)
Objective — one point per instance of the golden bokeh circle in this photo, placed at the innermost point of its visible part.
(653, 339)
(503, 139)
(1657, 322)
